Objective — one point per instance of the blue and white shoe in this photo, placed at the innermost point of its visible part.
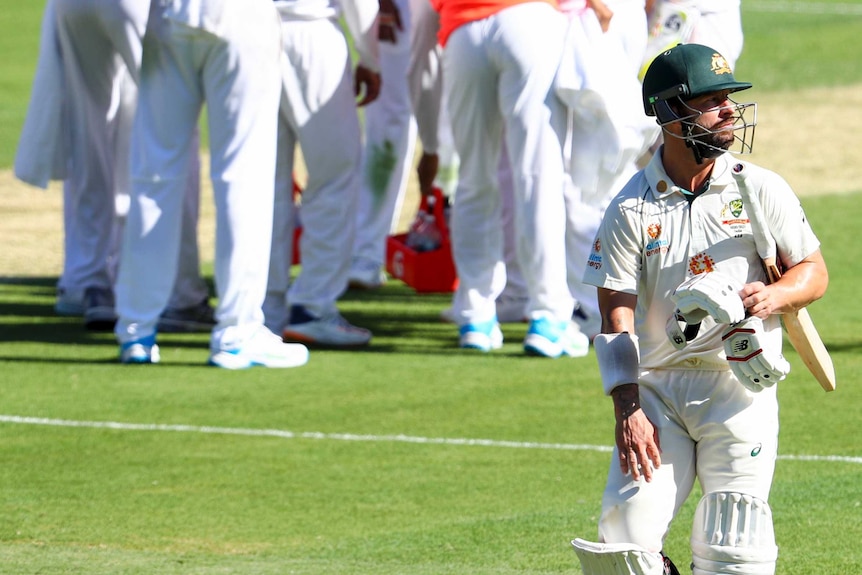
(483, 336)
(263, 348)
(140, 351)
(550, 338)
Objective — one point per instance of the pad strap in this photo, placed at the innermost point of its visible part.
(619, 356)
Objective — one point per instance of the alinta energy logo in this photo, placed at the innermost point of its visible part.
(757, 449)
(657, 245)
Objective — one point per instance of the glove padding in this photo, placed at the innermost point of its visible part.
(755, 367)
(710, 293)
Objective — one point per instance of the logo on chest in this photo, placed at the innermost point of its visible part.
(701, 263)
(656, 244)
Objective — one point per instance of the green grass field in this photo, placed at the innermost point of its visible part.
(412, 457)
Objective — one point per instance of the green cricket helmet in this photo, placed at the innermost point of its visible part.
(687, 71)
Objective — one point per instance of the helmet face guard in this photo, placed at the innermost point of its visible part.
(699, 137)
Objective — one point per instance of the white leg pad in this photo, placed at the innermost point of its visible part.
(617, 559)
(733, 534)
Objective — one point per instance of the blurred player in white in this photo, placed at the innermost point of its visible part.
(319, 113)
(691, 344)
(225, 54)
(715, 23)
(499, 63)
(409, 105)
(390, 137)
(89, 62)
(608, 130)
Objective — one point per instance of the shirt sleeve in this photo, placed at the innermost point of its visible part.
(615, 259)
(794, 238)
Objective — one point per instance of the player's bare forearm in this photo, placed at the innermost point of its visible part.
(799, 286)
(636, 437)
(618, 311)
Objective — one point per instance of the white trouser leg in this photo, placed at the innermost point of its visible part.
(477, 127)
(495, 77)
(390, 137)
(322, 110)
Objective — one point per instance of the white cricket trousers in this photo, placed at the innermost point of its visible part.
(236, 73)
(711, 429)
(390, 139)
(318, 111)
(498, 79)
(100, 42)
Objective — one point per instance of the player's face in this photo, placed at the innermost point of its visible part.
(717, 116)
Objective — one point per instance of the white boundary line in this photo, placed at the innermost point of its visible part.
(285, 434)
(840, 9)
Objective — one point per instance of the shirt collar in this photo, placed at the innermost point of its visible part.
(662, 186)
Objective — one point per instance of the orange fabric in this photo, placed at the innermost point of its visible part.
(454, 13)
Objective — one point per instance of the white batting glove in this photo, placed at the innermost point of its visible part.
(710, 293)
(755, 367)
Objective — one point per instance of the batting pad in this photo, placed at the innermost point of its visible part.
(733, 533)
(617, 559)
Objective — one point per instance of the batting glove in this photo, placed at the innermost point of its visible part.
(710, 293)
(755, 367)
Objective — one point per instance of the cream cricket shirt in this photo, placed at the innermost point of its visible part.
(652, 238)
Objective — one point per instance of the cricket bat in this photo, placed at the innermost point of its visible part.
(800, 329)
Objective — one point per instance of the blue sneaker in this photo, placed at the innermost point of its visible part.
(483, 336)
(550, 338)
(140, 351)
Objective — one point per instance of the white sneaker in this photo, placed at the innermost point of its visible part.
(483, 336)
(140, 351)
(330, 330)
(549, 338)
(263, 348)
(366, 274)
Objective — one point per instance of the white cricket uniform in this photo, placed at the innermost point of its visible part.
(100, 43)
(390, 139)
(498, 79)
(223, 53)
(713, 23)
(651, 239)
(89, 60)
(318, 112)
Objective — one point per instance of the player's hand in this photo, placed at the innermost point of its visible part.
(366, 85)
(636, 437)
(756, 297)
(427, 171)
(755, 367)
(389, 23)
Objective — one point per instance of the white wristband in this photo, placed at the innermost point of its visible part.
(618, 355)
